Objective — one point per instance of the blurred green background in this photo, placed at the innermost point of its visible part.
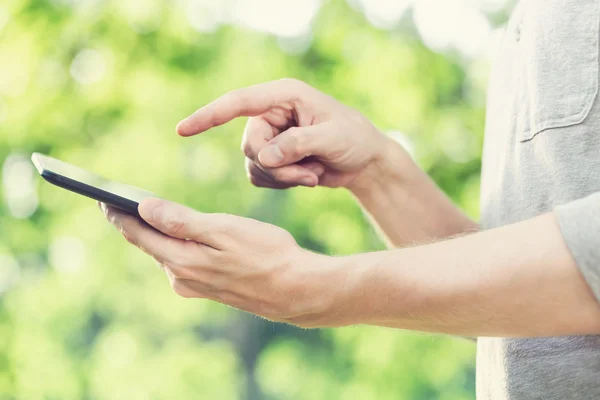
(102, 84)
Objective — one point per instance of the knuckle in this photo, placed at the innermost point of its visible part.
(248, 150)
(180, 288)
(285, 238)
(297, 88)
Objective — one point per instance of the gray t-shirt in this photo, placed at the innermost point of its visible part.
(542, 154)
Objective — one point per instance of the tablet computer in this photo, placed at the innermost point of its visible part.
(86, 183)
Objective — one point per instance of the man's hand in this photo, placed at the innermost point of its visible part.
(249, 265)
(297, 135)
(498, 283)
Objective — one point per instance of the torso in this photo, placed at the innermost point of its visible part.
(543, 113)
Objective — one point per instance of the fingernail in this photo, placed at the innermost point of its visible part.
(272, 155)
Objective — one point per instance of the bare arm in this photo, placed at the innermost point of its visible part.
(405, 203)
(515, 281)
(518, 280)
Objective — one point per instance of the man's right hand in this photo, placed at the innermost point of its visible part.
(298, 136)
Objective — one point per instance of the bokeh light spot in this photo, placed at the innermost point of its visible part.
(14, 77)
(288, 18)
(4, 17)
(206, 16)
(88, 66)
(18, 186)
(67, 254)
(51, 74)
(491, 5)
(452, 25)
(143, 16)
(10, 272)
(2, 110)
(119, 349)
(385, 13)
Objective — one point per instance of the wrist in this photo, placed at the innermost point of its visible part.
(364, 289)
(328, 291)
(391, 164)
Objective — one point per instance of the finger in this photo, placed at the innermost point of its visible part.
(200, 273)
(182, 222)
(314, 166)
(192, 289)
(285, 177)
(163, 248)
(183, 289)
(257, 134)
(259, 178)
(298, 143)
(248, 102)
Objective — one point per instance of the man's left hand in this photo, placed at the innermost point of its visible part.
(244, 263)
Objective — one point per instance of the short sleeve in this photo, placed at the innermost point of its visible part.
(579, 223)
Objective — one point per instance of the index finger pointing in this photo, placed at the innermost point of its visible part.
(246, 102)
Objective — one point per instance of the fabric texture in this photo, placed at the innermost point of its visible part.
(542, 154)
(579, 222)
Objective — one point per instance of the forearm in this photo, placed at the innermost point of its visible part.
(515, 281)
(405, 203)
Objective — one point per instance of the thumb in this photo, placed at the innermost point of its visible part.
(297, 143)
(170, 218)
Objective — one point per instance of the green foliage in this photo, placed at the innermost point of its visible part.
(86, 316)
